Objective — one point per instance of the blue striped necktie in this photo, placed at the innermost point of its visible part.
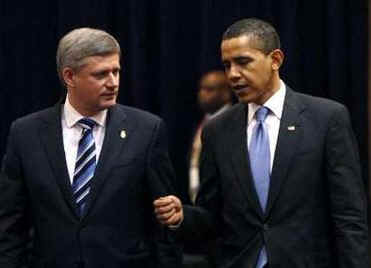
(259, 153)
(85, 164)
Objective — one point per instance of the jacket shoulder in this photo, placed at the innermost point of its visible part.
(224, 120)
(321, 108)
(138, 115)
(310, 101)
(36, 117)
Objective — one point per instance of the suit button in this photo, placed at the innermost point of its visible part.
(265, 227)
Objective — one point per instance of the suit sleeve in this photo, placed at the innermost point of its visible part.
(14, 221)
(347, 193)
(161, 181)
(201, 222)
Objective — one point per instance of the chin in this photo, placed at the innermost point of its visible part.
(250, 98)
(108, 104)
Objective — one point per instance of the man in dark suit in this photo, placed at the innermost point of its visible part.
(280, 172)
(83, 174)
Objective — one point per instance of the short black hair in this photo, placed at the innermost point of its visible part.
(266, 37)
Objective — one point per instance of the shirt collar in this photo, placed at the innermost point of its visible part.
(218, 112)
(72, 116)
(274, 103)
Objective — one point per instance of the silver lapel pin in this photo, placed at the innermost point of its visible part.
(291, 128)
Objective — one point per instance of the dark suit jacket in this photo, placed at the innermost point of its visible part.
(316, 212)
(119, 229)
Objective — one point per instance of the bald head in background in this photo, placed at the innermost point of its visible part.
(214, 91)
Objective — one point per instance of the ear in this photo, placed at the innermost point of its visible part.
(277, 59)
(69, 77)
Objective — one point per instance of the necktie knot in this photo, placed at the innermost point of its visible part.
(87, 123)
(261, 114)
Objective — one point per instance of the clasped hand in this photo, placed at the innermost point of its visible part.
(169, 210)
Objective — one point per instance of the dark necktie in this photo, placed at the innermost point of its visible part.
(85, 164)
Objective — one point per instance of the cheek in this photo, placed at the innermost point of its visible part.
(90, 93)
(262, 74)
(95, 88)
(204, 96)
(252, 72)
(267, 69)
(253, 77)
(214, 97)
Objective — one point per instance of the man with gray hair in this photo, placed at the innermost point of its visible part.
(83, 174)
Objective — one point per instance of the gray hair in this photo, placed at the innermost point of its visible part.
(263, 33)
(81, 43)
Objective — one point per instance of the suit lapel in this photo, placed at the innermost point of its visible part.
(290, 133)
(52, 140)
(240, 158)
(117, 131)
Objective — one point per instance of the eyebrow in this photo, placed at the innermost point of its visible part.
(108, 70)
(243, 58)
(239, 58)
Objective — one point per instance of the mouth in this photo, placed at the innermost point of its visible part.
(240, 88)
(110, 94)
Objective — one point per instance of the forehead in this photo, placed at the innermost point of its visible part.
(242, 46)
(102, 61)
(213, 78)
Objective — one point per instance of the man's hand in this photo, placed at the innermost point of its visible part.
(169, 210)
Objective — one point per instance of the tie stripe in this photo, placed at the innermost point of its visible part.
(84, 175)
(82, 161)
(84, 144)
(85, 164)
(82, 195)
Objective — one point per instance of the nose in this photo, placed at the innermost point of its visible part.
(233, 74)
(113, 80)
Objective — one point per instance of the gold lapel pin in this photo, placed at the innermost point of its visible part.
(123, 134)
(291, 128)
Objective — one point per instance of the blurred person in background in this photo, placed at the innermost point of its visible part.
(214, 97)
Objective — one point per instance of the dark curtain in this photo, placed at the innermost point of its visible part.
(168, 44)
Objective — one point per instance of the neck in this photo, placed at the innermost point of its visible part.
(273, 88)
(79, 109)
(275, 82)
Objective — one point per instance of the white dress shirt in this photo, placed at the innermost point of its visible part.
(72, 133)
(275, 105)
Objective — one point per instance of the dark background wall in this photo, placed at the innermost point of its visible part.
(168, 44)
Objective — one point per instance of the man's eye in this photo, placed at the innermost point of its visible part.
(243, 61)
(100, 75)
